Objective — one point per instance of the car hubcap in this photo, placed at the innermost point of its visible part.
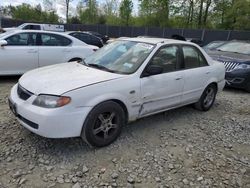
(106, 125)
(209, 97)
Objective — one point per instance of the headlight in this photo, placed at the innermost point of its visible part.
(243, 66)
(50, 101)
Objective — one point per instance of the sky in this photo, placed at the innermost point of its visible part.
(59, 8)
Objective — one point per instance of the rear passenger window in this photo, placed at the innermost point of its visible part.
(76, 35)
(85, 37)
(193, 58)
(54, 40)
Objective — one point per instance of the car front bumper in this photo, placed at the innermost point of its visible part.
(238, 79)
(51, 123)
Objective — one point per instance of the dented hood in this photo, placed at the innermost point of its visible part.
(61, 78)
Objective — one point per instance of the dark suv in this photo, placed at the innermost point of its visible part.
(236, 57)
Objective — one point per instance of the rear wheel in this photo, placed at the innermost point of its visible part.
(103, 124)
(207, 98)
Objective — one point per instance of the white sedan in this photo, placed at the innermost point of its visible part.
(124, 81)
(23, 50)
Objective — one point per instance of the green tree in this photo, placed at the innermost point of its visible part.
(111, 12)
(88, 11)
(239, 15)
(28, 13)
(67, 3)
(155, 12)
(126, 8)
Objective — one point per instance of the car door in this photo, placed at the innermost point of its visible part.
(53, 49)
(163, 91)
(196, 73)
(20, 54)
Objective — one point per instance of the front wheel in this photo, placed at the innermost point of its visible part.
(103, 124)
(207, 98)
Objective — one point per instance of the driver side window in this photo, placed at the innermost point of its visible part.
(167, 57)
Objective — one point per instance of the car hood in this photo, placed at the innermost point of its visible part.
(228, 56)
(58, 79)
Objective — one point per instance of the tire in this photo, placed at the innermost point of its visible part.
(207, 98)
(103, 124)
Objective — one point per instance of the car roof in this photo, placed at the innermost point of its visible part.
(156, 40)
(32, 23)
(16, 31)
(36, 31)
(85, 32)
(68, 32)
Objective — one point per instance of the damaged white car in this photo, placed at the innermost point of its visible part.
(124, 81)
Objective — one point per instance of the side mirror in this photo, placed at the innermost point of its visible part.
(152, 70)
(3, 43)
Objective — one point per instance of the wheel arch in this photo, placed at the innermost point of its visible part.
(212, 81)
(215, 84)
(124, 107)
(119, 102)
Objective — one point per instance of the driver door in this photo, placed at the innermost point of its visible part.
(19, 55)
(163, 91)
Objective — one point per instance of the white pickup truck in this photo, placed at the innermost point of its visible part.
(37, 26)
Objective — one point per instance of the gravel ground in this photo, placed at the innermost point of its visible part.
(178, 148)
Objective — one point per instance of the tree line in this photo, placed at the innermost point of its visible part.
(214, 14)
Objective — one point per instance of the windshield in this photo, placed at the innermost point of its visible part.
(21, 26)
(123, 57)
(214, 45)
(236, 47)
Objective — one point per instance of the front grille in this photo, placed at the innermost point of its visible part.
(230, 66)
(23, 93)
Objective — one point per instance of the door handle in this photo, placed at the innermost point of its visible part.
(208, 72)
(32, 51)
(178, 78)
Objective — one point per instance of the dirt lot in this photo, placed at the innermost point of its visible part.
(178, 148)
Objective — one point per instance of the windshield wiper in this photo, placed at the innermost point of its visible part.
(220, 50)
(84, 63)
(101, 67)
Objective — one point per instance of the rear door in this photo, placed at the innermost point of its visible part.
(196, 73)
(53, 49)
(20, 55)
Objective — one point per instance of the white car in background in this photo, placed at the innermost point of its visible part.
(125, 80)
(37, 26)
(24, 50)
